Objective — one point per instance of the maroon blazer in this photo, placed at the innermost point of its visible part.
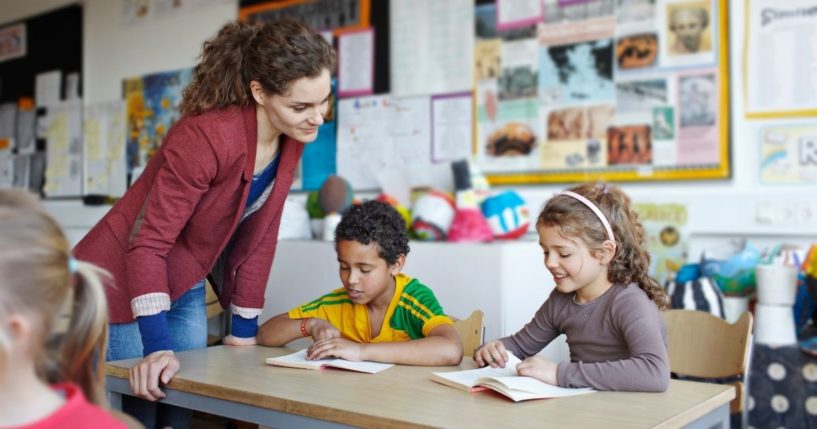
(172, 225)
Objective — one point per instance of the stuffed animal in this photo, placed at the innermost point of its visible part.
(432, 216)
(507, 215)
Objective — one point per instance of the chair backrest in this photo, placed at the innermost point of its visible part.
(211, 301)
(702, 345)
(471, 330)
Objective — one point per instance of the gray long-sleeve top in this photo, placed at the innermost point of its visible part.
(617, 342)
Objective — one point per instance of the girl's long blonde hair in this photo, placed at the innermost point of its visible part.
(36, 280)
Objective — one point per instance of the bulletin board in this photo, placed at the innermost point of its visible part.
(617, 90)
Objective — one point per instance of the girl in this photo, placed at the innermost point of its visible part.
(604, 301)
(209, 203)
(37, 275)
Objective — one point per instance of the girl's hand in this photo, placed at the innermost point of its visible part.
(230, 340)
(320, 329)
(539, 368)
(145, 376)
(493, 354)
(335, 347)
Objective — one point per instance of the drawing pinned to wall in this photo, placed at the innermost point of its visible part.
(667, 237)
(13, 42)
(641, 95)
(568, 22)
(577, 73)
(689, 26)
(631, 11)
(637, 51)
(631, 144)
(788, 154)
(63, 174)
(104, 160)
(151, 107)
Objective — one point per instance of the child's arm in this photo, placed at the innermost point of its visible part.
(281, 330)
(442, 346)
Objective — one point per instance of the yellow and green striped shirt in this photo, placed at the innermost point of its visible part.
(413, 313)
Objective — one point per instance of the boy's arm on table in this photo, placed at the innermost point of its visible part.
(441, 347)
(281, 330)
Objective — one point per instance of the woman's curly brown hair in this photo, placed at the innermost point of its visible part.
(274, 54)
(631, 261)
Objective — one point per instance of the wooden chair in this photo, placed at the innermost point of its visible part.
(471, 331)
(704, 346)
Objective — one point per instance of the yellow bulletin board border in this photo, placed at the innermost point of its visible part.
(778, 114)
(721, 170)
(364, 12)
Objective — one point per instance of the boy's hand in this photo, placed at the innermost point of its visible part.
(539, 368)
(493, 354)
(320, 329)
(335, 347)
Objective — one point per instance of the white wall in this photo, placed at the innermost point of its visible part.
(718, 209)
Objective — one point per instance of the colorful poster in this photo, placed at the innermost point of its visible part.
(788, 155)
(667, 238)
(151, 107)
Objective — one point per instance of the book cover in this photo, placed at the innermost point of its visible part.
(505, 381)
(299, 360)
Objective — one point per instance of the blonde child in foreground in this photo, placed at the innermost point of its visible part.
(379, 314)
(37, 274)
(604, 301)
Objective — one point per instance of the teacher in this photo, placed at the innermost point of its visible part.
(209, 203)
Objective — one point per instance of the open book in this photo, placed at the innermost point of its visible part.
(298, 360)
(505, 381)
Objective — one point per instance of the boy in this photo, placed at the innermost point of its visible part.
(379, 314)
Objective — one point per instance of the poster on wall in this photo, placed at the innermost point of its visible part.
(780, 58)
(336, 15)
(603, 90)
(151, 107)
(667, 233)
(788, 155)
(104, 149)
(13, 42)
(63, 135)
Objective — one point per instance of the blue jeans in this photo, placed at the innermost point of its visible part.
(187, 320)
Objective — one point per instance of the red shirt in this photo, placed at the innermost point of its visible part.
(174, 222)
(77, 412)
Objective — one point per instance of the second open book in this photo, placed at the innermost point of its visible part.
(505, 381)
(298, 360)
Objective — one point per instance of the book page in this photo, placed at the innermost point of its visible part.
(538, 388)
(362, 366)
(470, 377)
(296, 360)
(299, 360)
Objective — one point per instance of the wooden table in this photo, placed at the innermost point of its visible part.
(234, 382)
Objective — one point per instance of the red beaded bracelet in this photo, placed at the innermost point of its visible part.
(304, 332)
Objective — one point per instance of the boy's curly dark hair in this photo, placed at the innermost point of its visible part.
(378, 222)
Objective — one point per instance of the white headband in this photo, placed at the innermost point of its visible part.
(595, 209)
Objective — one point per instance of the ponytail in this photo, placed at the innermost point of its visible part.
(84, 346)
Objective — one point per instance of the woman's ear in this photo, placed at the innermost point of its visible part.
(257, 92)
(397, 266)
